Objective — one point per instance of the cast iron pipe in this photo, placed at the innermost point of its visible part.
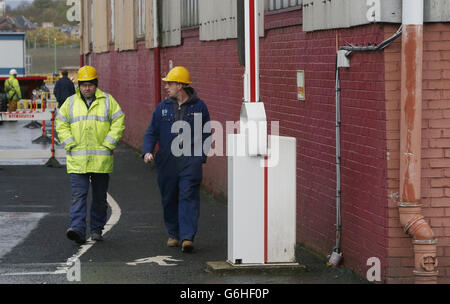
(410, 210)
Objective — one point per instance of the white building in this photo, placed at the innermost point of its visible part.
(2, 8)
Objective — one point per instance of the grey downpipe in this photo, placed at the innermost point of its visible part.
(338, 163)
(336, 254)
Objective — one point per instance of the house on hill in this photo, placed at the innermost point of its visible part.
(16, 24)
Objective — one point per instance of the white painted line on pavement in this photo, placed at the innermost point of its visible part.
(113, 220)
(16, 274)
(32, 266)
(160, 260)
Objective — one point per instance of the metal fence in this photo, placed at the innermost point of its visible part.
(189, 13)
(43, 59)
(189, 9)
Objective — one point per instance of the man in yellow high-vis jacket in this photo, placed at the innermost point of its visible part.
(12, 90)
(90, 125)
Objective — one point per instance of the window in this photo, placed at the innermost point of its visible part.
(189, 13)
(140, 18)
(280, 4)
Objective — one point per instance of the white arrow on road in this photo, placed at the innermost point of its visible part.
(160, 260)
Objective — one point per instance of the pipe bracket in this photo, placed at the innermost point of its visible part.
(408, 205)
(425, 242)
(426, 273)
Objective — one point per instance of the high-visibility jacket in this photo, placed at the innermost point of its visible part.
(12, 89)
(90, 135)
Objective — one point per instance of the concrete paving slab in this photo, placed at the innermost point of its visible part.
(224, 267)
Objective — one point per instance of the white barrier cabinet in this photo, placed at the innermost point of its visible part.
(261, 202)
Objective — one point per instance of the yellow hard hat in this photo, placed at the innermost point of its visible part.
(87, 73)
(178, 74)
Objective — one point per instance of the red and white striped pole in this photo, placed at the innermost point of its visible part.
(251, 77)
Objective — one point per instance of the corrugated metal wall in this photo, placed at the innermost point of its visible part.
(218, 19)
(436, 10)
(189, 13)
(100, 43)
(171, 23)
(125, 25)
(329, 14)
(87, 26)
(149, 24)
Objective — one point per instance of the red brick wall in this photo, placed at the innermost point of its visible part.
(128, 76)
(435, 151)
(217, 76)
(363, 137)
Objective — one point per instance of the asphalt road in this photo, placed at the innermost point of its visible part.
(34, 205)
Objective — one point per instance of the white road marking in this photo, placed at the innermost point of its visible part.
(64, 267)
(113, 220)
(16, 274)
(33, 266)
(160, 260)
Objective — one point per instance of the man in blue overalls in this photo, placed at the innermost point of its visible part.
(178, 126)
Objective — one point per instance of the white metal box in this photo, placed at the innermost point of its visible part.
(261, 202)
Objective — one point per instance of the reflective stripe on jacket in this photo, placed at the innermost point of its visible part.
(12, 89)
(90, 135)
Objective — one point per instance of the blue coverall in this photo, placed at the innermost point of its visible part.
(179, 177)
(64, 88)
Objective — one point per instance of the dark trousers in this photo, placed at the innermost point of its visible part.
(78, 209)
(180, 193)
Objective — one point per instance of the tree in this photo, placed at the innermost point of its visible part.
(45, 37)
(42, 4)
(43, 11)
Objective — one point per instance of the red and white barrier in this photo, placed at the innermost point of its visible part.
(25, 115)
(33, 115)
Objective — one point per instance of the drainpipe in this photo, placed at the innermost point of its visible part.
(410, 210)
(343, 60)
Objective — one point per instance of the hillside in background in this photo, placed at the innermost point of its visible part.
(42, 11)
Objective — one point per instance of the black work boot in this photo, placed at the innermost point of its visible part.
(75, 235)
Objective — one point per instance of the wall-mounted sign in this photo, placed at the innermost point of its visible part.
(301, 85)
